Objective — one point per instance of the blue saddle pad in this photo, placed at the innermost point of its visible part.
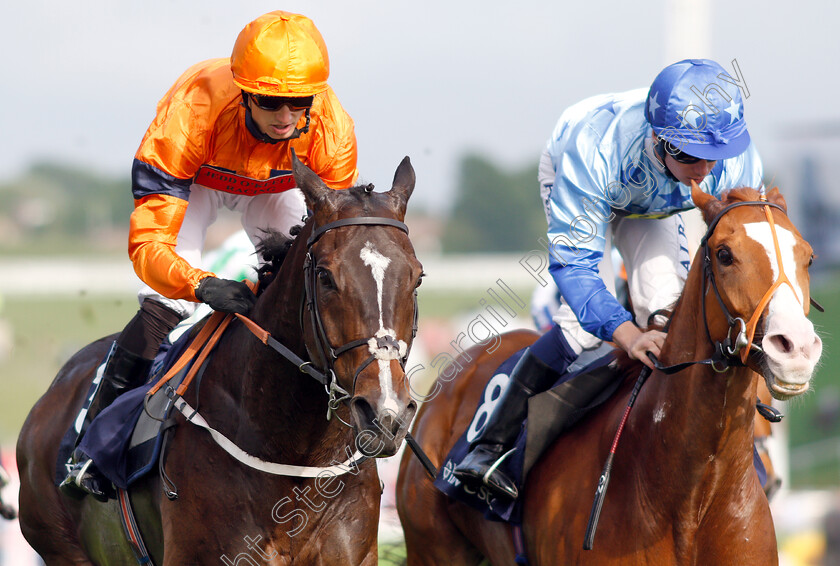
(518, 464)
(124, 440)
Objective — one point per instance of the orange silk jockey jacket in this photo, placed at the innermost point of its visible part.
(200, 136)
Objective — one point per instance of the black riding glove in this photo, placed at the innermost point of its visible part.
(225, 295)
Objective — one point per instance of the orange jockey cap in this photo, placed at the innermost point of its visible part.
(281, 54)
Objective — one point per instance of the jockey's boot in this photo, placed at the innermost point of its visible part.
(123, 371)
(83, 479)
(480, 467)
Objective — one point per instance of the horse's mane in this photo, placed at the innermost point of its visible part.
(273, 247)
(741, 194)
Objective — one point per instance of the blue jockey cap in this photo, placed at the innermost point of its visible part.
(697, 107)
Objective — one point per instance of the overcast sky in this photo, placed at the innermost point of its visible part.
(429, 79)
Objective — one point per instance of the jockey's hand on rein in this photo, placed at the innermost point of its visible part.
(637, 343)
(225, 295)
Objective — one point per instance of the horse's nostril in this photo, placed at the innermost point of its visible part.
(362, 409)
(387, 422)
(782, 344)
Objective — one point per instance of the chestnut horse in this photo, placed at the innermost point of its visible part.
(762, 434)
(683, 489)
(344, 297)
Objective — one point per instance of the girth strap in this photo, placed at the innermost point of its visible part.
(131, 530)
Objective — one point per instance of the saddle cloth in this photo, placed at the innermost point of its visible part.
(540, 428)
(125, 439)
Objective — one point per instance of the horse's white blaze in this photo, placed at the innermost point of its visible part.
(761, 233)
(791, 346)
(378, 263)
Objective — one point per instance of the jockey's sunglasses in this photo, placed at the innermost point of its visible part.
(275, 103)
(680, 156)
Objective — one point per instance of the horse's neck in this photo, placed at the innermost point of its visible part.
(278, 411)
(698, 422)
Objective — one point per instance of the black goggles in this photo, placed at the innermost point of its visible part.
(678, 155)
(275, 103)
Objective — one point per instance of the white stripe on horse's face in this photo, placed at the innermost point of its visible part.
(378, 263)
(790, 345)
(761, 233)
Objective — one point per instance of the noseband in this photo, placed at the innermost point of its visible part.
(326, 352)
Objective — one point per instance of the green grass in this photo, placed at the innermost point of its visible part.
(45, 332)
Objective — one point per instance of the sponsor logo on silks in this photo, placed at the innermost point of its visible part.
(227, 181)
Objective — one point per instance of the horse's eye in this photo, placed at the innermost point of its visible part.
(420, 280)
(725, 256)
(811, 260)
(325, 277)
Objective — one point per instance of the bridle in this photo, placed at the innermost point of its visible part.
(732, 352)
(740, 347)
(326, 353)
(215, 327)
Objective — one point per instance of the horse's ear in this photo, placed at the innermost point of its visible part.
(776, 197)
(708, 204)
(403, 185)
(314, 189)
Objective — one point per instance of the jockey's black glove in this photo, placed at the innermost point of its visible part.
(225, 295)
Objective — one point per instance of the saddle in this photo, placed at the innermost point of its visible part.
(128, 438)
(588, 382)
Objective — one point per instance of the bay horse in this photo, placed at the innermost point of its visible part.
(344, 299)
(683, 489)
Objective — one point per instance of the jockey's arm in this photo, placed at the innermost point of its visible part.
(153, 235)
(577, 200)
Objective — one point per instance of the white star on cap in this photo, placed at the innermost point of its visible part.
(653, 105)
(697, 120)
(733, 110)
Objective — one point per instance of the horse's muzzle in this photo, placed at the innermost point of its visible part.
(379, 434)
